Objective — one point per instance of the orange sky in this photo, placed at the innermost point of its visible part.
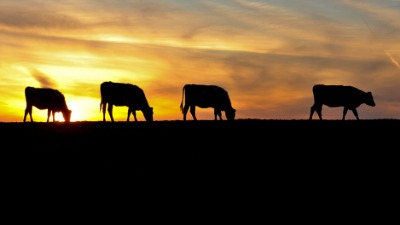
(266, 54)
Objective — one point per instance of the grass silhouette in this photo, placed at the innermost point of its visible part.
(248, 157)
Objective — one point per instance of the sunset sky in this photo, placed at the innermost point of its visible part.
(266, 54)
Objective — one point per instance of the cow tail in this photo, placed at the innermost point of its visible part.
(183, 96)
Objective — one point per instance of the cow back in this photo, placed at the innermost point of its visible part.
(341, 95)
(205, 96)
(121, 94)
(45, 98)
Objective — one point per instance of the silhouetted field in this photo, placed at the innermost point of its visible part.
(297, 158)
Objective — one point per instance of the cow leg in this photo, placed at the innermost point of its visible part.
(110, 112)
(28, 110)
(48, 115)
(184, 111)
(54, 115)
(129, 114)
(316, 108)
(344, 112)
(193, 111)
(311, 112)
(355, 113)
(104, 112)
(217, 113)
(133, 113)
(319, 112)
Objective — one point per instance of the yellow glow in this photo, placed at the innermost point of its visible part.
(77, 59)
(117, 39)
(204, 44)
(83, 108)
(165, 109)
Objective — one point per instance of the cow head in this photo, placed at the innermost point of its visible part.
(67, 115)
(148, 114)
(369, 100)
(230, 114)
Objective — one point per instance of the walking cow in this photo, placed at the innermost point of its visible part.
(338, 95)
(46, 98)
(205, 96)
(121, 94)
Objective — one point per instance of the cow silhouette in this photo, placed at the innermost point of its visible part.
(205, 96)
(348, 97)
(46, 98)
(124, 94)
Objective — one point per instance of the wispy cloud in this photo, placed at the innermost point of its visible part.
(393, 59)
(44, 80)
(22, 19)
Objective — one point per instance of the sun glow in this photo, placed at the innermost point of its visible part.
(83, 108)
(116, 39)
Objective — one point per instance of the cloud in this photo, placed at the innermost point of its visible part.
(36, 18)
(44, 80)
(393, 59)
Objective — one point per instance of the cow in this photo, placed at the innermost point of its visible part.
(348, 97)
(206, 96)
(46, 98)
(124, 94)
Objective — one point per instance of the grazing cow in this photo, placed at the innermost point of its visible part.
(338, 95)
(46, 98)
(205, 96)
(120, 94)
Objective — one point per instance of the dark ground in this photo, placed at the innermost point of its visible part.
(284, 163)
